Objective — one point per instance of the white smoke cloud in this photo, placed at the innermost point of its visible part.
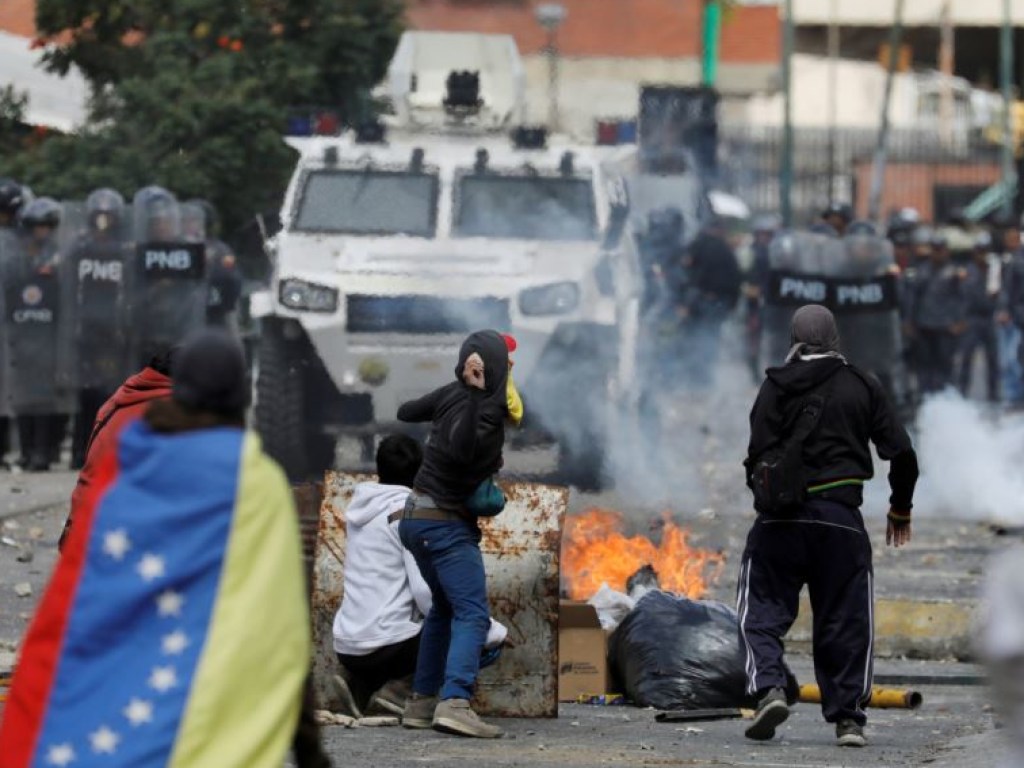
(970, 462)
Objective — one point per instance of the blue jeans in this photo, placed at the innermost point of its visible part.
(1013, 377)
(448, 555)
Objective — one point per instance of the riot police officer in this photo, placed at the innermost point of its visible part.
(756, 287)
(982, 283)
(12, 198)
(838, 216)
(38, 388)
(97, 266)
(936, 312)
(199, 219)
(169, 276)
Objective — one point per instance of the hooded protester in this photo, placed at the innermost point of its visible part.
(175, 628)
(128, 403)
(813, 421)
(453, 487)
(385, 599)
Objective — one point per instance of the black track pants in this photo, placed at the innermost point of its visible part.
(825, 547)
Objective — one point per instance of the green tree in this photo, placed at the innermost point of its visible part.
(194, 94)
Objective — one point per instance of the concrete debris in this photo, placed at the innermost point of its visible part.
(35, 533)
(325, 717)
(23, 589)
(25, 554)
(8, 541)
(11, 525)
(378, 722)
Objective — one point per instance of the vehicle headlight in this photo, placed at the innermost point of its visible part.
(308, 297)
(554, 299)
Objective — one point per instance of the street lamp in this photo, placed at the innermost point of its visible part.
(551, 16)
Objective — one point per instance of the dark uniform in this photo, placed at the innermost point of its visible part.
(32, 294)
(936, 313)
(981, 289)
(756, 288)
(99, 263)
(715, 281)
(821, 542)
(224, 281)
(12, 197)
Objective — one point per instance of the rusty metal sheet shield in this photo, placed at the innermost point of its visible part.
(521, 549)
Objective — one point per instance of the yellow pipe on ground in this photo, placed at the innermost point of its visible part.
(881, 698)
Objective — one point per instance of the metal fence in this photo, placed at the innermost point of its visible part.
(922, 171)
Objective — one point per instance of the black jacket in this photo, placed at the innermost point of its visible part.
(856, 411)
(468, 434)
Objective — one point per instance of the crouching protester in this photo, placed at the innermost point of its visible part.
(807, 462)
(175, 627)
(439, 526)
(385, 599)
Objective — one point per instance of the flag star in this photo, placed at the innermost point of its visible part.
(116, 544)
(104, 741)
(169, 603)
(151, 567)
(175, 643)
(163, 679)
(60, 754)
(139, 711)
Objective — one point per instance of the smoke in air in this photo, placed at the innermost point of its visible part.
(970, 462)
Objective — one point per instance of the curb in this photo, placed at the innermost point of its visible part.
(920, 629)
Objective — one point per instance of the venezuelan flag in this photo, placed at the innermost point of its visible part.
(174, 631)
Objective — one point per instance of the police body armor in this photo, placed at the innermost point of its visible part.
(37, 331)
(169, 276)
(856, 278)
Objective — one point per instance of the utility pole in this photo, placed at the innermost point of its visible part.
(1009, 173)
(833, 94)
(551, 16)
(710, 42)
(786, 164)
(946, 58)
(878, 167)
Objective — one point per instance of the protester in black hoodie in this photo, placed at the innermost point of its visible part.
(439, 528)
(822, 542)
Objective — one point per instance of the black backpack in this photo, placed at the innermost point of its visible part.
(778, 477)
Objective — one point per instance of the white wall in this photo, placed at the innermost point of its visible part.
(880, 13)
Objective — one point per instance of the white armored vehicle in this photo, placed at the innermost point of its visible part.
(396, 243)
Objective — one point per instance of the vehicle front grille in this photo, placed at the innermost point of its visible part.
(425, 314)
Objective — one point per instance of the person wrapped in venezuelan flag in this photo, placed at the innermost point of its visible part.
(175, 629)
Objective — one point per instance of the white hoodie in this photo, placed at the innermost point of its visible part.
(385, 597)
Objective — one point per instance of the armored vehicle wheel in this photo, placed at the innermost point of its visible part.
(281, 395)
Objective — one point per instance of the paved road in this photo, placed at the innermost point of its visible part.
(614, 736)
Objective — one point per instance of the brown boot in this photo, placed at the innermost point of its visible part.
(456, 716)
(419, 711)
(391, 697)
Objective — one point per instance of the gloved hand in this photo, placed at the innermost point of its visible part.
(897, 532)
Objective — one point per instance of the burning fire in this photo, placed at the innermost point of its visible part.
(594, 551)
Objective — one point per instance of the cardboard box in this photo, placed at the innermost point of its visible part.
(582, 652)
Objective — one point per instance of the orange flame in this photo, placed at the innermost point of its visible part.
(594, 551)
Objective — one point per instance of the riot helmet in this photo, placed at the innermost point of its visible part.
(104, 209)
(157, 215)
(838, 216)
(12, 198)
(862, 228)
(823, 228)
(193, 222)
(210, 217)
(42, 213)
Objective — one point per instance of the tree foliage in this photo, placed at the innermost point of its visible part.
(194, 94)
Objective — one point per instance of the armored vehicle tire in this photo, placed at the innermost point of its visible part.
(280, 406)
(582, 466)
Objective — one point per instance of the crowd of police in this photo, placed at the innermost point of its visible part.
(958, 292)
(88, 294)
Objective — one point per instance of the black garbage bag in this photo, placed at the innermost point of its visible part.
(674, 653)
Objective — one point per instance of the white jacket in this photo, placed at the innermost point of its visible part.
(385, 598)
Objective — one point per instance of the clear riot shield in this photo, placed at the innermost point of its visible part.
(10, 257)
(799, 262)
(867, 311)
(855, 277)
(168, 276)
(97, 261)
(38, 353)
